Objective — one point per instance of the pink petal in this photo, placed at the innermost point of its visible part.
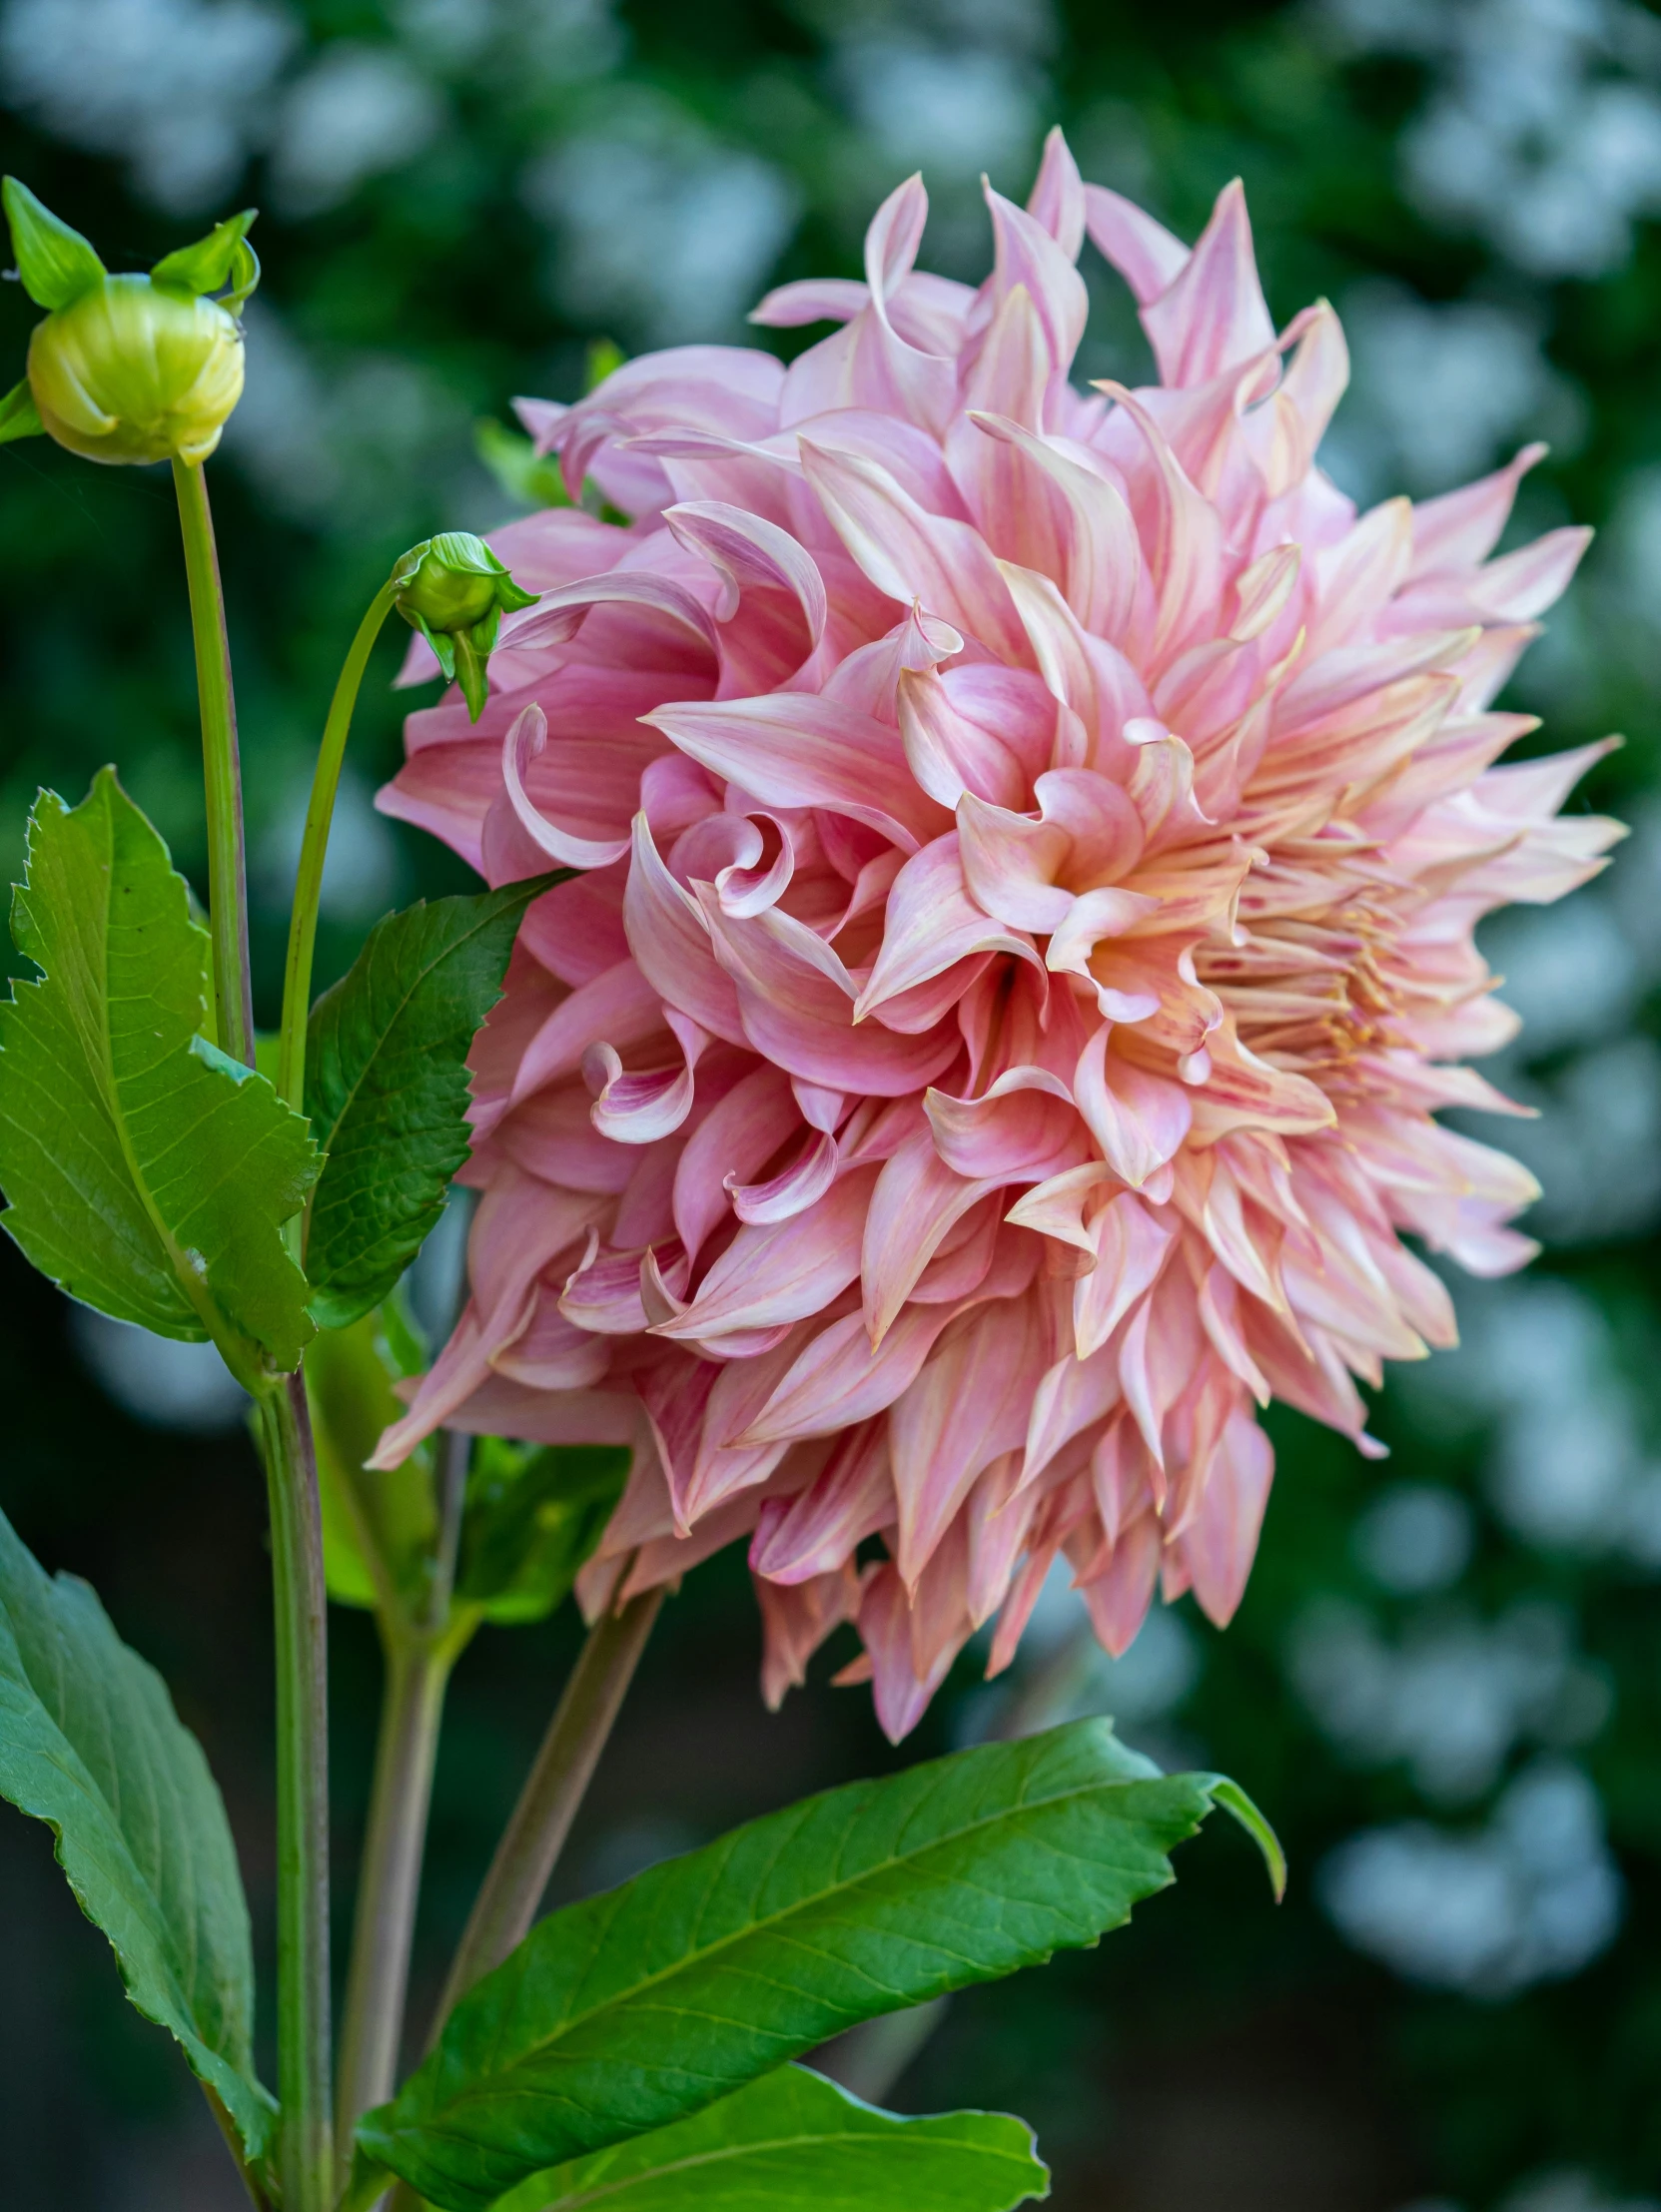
(783, 1270)
(1101, 553)
(1136, 1119)
(797, 1006)
(793, 750)
(822, 1526)
(1212, 314)
(618, 1008)
(916, 1201)
(1057, 199)
(901, 1696)
(995, 753)
(1463, 527)
(1143, 252)
(1131, 1249)
(799, 1184)
(931, 924)
(795, 1622)
(1219, 1544)
(910, 554)
(839, 1379)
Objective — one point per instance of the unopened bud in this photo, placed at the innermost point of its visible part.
(454, 591)
(129, 369)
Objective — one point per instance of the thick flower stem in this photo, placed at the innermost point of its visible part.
(319, 811)
(305, 2157)
(525, 1857)
(226, 871)
(418, 1672)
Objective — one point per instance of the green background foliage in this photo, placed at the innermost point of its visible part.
(459, 197)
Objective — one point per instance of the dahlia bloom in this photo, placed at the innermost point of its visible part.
(1030, 847)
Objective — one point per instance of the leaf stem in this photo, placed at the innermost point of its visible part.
(319, 812)
(372, 2027)
(305, 2159)
(532, 1843)
(222, 771)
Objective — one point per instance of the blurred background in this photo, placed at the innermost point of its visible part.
(1445, 1686)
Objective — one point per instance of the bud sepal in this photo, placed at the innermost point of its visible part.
(454, 590)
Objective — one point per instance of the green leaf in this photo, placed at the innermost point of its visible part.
(387, 1088)
(795, 2142)
(89, 1744)
(19, 416)
(633, 2009)
(146, 1172)
(534, 1516)
(55, 262)
(210, 264)
(532, 478)
(378, 1530)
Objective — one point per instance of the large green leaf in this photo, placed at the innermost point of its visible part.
(89, 1744)
(629, 2010)
(146, 1172)
(534, 1513)
(387, 1088)
(795, 2142)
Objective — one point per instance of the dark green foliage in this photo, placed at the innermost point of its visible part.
(146, 1172)
(89, 1744)
(794, 2142)
(387, 1088)
(627, 2012)
(534, 1513)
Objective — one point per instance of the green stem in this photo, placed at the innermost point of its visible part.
(372, 2027)
(419, 1659)
(226, 868)
(314, 850)
(512, 1889)
(304, 2158)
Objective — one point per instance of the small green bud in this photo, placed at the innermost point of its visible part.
(128, 368)
(454, 591)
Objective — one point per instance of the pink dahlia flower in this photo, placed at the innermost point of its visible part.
(1030, 846)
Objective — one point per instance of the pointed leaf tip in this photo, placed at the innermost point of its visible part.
(214, 261)
(19, 416)
(55, 262)
(1235, 1801)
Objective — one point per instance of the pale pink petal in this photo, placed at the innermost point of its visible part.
(851, 1498)
(793, 750)
(782, 1270)
(1213, 314)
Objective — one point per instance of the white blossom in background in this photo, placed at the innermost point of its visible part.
(1541, 128)
(162, 1383)
(949, 110)
(1564, 2189)
(1441, 391)
(1570, 1466)
(358, 112)
(358, 440)
(359, 876)
(177, 89)
(1451, 1697)
(1571, 2189)
(661, 235)
(1532, 1895)
(550, 41)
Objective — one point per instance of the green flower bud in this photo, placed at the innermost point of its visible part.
(128, 368)
(455, 593)
(133, 373)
